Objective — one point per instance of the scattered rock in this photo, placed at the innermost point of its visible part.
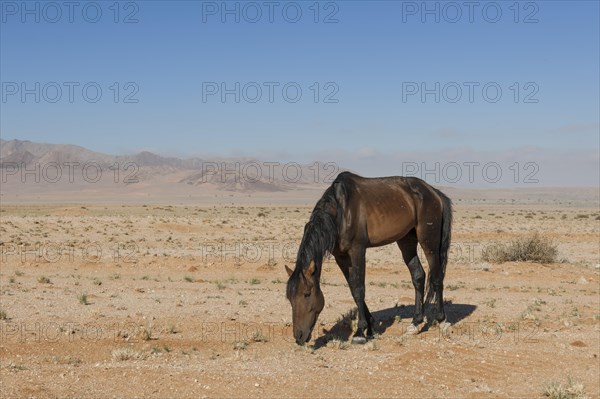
(485, 267)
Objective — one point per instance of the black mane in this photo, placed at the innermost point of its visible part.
(320, 236)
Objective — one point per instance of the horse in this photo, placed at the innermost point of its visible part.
(356, 213)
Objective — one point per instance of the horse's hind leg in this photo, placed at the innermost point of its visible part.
(408, 246)
(436, 277)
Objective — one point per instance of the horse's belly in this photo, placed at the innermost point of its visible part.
(390, 216)
(383, 235)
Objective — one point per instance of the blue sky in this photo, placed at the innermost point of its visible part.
(369, 61)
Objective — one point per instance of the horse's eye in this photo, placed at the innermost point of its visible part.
(306, 294)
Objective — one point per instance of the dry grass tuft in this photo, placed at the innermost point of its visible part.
(533, 248)
(349, 319)
(43, 280)
(83, 299)
(337, 343)
(573, 390)
(146, 333)
(127, 353)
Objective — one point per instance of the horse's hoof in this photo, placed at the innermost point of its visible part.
(359, 340)
(412, 329)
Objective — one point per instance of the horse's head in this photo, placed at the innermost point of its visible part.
(304, 293)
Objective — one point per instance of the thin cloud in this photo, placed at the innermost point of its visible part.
(366, 153)
(577, 128)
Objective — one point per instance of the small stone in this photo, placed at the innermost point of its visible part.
(582, 280)
(578, 344)
(257, 384)
(412, 330)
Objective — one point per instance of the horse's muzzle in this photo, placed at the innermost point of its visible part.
(301, 337)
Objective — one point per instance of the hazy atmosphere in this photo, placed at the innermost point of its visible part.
(370, 86)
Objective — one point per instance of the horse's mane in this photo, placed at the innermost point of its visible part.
(321, 231)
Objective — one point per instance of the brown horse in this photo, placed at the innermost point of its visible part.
(356, 213)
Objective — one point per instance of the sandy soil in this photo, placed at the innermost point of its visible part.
(188, 301)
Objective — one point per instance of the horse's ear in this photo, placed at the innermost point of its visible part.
(310, 270)
(288, 270)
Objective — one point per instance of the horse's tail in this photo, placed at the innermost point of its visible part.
(446, 235)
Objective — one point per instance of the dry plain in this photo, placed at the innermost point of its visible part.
(188, 300)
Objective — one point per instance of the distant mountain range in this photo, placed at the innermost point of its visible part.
(62, 173)
(241, 175)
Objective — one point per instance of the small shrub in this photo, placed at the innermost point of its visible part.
(16, 367)
(491, 303)
(573, 390)
(337, 343)
(371, 346)
(43, 280)
(349, 319)
(240, 345)
(307, 349)
(146, 333)
(534, 248)
(83, 299)
(172, 329)
(259, 337)
(126, 353)
(3, 314)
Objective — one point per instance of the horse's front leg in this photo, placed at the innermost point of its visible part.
(345, 263)
(357, 286)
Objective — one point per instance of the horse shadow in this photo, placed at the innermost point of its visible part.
(385, 318)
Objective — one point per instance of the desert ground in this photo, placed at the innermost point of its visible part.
(154, 300)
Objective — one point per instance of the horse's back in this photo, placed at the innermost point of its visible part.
(389, 207)
(406, 188)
